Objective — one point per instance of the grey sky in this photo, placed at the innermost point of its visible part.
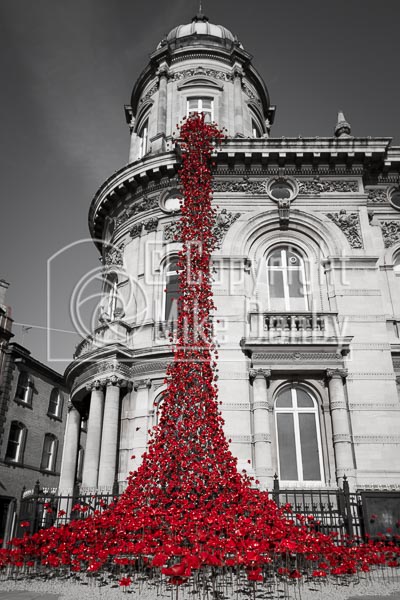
(67, 69)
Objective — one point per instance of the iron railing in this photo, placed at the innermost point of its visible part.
(350, 514)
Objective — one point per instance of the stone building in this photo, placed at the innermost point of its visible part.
(33, 411)
(307, 282)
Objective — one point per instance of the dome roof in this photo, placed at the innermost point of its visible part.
(200, 26)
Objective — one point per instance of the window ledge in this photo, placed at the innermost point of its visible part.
(54, 417)
(22, 403)
(13, 463)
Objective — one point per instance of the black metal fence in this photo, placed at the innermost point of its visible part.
(354, 514)
(336, 510)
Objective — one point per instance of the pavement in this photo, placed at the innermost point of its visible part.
(375, 588)
(24, 595)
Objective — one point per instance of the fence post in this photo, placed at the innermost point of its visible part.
(36, 493)
(275, 490)
(347, 507)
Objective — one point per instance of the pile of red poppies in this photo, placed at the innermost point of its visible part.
(187, 515)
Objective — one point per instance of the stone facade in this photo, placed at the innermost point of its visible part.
(306, 283)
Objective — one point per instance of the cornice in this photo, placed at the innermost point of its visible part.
(125, 182)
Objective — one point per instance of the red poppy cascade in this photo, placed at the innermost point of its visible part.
(187, 509)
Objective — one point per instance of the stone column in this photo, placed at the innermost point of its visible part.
(238, 104)
(262, 433)
(158, 142)
(109, 438)
(93, 439)
(70, 451)
(340, 426)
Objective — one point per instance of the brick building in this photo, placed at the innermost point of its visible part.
(33, 410)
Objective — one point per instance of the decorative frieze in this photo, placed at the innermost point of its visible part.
(249, 92)
(377, 195)
(301, 357)
(148, 226)
(314, 186)
(224, 219)
(143, 206)
(350, 225)
(149, 367)
(318, 186)
(149, 94)
(199, 71)
(390, 232)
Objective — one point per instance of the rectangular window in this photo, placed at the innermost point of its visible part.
(49, 453)
(201, 105)
(15, 442)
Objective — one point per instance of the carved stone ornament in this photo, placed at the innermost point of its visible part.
(244, 186)
(320, 186)
(113, 256)
(377, 195)
(337, 373)
(390, 232)
(144, 205)
(149, 94)
(254, 373)
(224, 220)
(149, 225)
(350, 225)
(196, 71)
(249, 92)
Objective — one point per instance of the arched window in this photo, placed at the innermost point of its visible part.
(144, 138)
(171, 290)
(201, 105)
(55, 404)
(157, 407)
(396, 265)
(298, 436)
(25, 386)
(287, 283)
(16, 442)
(49, 455)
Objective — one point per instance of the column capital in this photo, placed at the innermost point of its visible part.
(97, 384)
(162, 71)
(259, 373)
(336, 373)
(116, 381)
(238, 71)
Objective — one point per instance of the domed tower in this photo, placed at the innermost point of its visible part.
(117, 376)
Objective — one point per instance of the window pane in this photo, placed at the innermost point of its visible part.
(207, 103)
(304, 400)
(172, 295)
(309, 447)
(275, 258)
(284, 399)
(293, 259)
(276, 288)
(193, 104)
(287, 447)
(295, 283)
